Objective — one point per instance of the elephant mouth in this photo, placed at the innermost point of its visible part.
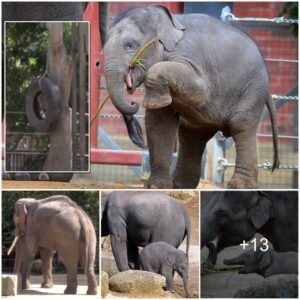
(129, 83)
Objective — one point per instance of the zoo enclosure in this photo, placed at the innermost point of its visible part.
(279, 48)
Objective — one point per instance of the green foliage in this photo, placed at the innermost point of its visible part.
(26, 57)
(290, 10)
(87, 200)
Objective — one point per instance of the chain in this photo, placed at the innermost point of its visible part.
(286, 98)
(229, 17)
(224, 164)
(116, 116)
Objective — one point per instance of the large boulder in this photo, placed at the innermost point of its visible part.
(277, 286)
(104, 284)
(137, 283)
(226, 284)
(108, 265)
(9, 285)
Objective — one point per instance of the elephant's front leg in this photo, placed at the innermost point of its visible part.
(192, 142)
(161, 128)
(246, 170)
(168, 273)
(28, 257)
(47, 256)
(176, 78)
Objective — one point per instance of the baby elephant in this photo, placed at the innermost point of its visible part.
(164, 259)
(266, 263)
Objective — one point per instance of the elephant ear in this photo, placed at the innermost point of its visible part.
(262, 212)
(169, 30)
(171, 260)
(264, 261)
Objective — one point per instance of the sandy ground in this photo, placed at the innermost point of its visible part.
(15, 185)
(36, 291)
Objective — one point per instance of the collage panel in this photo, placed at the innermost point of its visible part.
(46, 83)
(50, 243)
(150, 244)
(249, 244)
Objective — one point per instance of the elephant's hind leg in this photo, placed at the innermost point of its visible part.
(47, 256)
(192, 143)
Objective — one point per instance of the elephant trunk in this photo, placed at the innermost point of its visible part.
(115, 74)
(234, 261)
(19, 244)
(185, 285)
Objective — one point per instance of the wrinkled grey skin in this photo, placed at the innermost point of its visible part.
(234, 216)
(55, 223)
(201, 76)
(164, 259)
(136, 219)
(266, 263)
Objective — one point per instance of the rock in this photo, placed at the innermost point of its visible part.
(137, 282)
(226, 284)
(108, 265)
(277, 286)
(104, 284)
(36, 266)
(9, 285)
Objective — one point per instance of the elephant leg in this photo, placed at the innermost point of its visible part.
(28, 257)
(192, 143)
(168, 273)
(47, 256)
(118, 239)
(91, 279)
(173, 77)
(161, 128)
(133, 257)
(246, 172)
(70, 261)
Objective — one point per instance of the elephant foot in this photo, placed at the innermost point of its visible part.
(92, 291)
(242, 182)
(26, 286)
(70, 290)
(157, 101)
(184, 184)
(47, 285)
(159, 183)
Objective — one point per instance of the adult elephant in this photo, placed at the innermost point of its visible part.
(54, 224)
(235, 216)
(201, 76)
(136, 219)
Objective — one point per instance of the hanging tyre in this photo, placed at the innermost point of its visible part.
(43, 104)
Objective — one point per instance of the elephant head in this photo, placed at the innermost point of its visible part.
(233, 216)
(179, 261)
(20, 220)
(253, 261)
(130, 32)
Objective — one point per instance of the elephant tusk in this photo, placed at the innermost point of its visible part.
(13, 245)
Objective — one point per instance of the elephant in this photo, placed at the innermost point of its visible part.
(53, 224)
(137, 218)
(164, 259)
(235, 216)
(266, 263)
(201, 76)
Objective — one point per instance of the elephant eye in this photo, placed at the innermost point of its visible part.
(130, 45)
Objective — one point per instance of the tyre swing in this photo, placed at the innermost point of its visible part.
(43, 103)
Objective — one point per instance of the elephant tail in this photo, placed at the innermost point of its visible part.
(187, 233)
(272, 111)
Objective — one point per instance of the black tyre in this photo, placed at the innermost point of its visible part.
(43, 104)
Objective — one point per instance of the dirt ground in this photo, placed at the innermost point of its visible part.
(191, 202)
(15, 185)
